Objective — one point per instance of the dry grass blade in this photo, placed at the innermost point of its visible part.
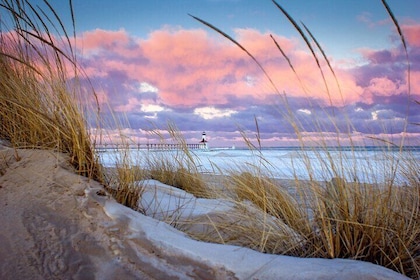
(63, 29)
(308, 44)
(325, 59)
(394, 20)
(288, 61)
(400, 33)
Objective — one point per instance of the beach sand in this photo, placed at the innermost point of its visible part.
(58, 225)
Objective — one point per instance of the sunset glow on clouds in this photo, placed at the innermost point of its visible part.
(203, 82)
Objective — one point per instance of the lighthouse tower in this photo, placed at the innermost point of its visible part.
(203, 142)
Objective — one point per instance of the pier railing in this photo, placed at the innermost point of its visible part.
(153, 146)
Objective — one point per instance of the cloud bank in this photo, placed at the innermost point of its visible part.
(203, 82)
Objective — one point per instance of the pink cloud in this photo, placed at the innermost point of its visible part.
(385, 87)
(103, 39)
(190, 67)
(415, 84)
(412, 34)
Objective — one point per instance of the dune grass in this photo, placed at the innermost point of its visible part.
(340, 218)
(179, 167)
(269, 196)
(40, 108)
(123, 181)
(43, 105)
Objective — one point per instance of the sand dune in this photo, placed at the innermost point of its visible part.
(58, 225)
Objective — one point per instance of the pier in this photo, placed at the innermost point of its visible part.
(202, 145)
(153, 146)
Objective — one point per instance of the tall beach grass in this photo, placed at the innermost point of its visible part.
(377, 222)
(43, 105)
(40, 107)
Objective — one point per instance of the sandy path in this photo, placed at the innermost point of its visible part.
(46, 229)
(53, 226)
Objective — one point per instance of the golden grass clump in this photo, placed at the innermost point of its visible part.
(374, 223)
(269, 196)
(123, 181)
(171, 169)
(177, 168)
(43, 105)
(378, 223)
(247, 226)
(40, 108)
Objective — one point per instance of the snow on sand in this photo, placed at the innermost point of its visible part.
(58, 225)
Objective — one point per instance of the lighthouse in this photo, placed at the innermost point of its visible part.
(203, 142)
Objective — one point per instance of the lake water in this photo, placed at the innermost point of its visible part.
(364, 164)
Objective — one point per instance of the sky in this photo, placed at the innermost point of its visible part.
(152, 64)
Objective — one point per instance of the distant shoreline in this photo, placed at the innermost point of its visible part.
(383, 148)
